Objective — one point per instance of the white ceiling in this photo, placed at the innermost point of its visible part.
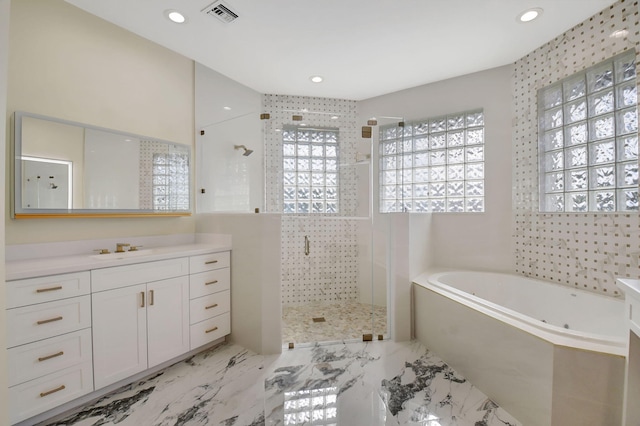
(363, 48)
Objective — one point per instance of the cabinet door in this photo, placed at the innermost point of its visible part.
(167, 319)
(119, 334)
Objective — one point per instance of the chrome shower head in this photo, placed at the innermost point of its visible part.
(247, 151)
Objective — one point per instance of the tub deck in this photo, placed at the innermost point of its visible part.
(541, 375)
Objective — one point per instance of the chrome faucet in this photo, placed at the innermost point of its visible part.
(120, 247)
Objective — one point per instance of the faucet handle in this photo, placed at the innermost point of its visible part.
(134, 248)
(102, 251)
(120, 247)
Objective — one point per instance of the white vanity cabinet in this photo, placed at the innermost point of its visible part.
(48, 342)
(140, 317)
(75, 333)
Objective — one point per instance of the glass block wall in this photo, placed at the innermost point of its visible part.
(589, 139)
(587, 250)
(310, 170)
(433, 165)
(164, 176)
(170, 181)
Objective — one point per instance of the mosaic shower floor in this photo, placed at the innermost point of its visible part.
(342, 321)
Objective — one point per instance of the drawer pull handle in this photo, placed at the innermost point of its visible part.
(211, 329)
(44, 358)
(44, 290)
(58, 389)
(49, 320)
(210, 262)
(211, 306)
(211, 282)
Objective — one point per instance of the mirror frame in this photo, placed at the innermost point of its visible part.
(19, 212)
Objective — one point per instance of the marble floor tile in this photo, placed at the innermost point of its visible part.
(362, 383)
(377, 383)
(346, 320)
(222, 386)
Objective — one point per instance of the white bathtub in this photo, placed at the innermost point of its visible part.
(549, 354)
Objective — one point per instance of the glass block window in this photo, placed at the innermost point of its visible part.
(310, 170)
(588, 140)
(433, 165)
(170, 181)
(311, 407)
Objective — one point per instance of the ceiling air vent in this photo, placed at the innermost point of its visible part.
(221, 11)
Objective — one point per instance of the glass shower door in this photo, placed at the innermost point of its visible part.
(322, 188)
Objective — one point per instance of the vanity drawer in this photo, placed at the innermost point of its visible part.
(206, 307)
(210, 330)
(46, 289)
(140, 273)
(28, 362)
(31, 323)
(209, 282)
(37, 396)
(208, 262)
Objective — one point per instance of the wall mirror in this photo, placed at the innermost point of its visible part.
(65, 168)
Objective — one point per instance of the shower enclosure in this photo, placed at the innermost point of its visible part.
(312, 167)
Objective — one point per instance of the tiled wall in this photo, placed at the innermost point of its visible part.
(585, 250)
(147, 148)
(330, 272)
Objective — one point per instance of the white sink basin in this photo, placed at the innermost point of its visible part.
(124, 255)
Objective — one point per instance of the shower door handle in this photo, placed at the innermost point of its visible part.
(307, 245)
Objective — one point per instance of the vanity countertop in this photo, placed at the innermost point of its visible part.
(630, 287)
(31, 268)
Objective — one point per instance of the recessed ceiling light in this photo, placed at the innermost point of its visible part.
(226, 108)
(175, 16)
(316, 78)
(619, 33)
(530, 14)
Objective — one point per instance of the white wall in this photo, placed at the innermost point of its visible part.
(66, 63)
(232, 181)
(256, 311)
(469, 240)
(4, 50)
